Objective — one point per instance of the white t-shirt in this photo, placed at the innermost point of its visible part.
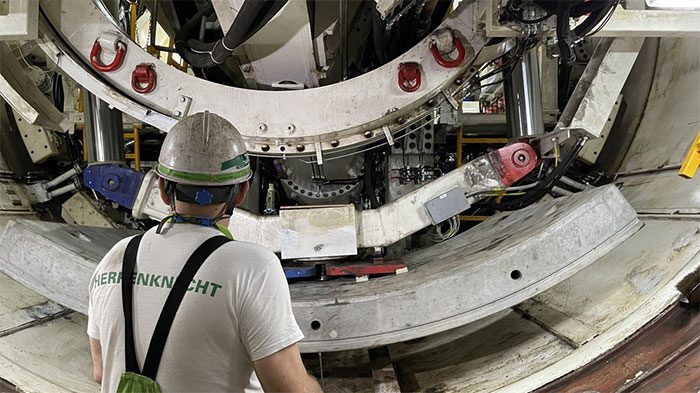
(237, 310)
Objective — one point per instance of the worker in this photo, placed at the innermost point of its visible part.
(233, 329)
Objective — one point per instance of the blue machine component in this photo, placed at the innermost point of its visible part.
(304, 271)
(113, 182)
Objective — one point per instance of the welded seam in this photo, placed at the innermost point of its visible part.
(35, 322)
(566, 340)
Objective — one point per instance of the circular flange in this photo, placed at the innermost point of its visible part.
(337, 116)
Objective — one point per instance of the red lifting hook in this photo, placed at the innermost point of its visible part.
(449, 63)
(409, 77)
(116, 63)
(143, 73)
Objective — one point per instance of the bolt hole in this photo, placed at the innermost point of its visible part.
(428, 145)
(411, 145)
(428, 118)
(427, 135)
(282, 148)
(315, 325)
(516, 275)
(428, 127)
(412, 136)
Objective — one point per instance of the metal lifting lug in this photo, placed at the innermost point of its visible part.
(409, 77)
(437, 55)
(120, 48)
(144, 73)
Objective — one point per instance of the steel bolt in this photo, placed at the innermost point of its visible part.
(178, 113)
(400, 120)
(458, 81)
(368, 134)
(335, 143)
(262, 127)
(301, 148)
(291, 128)
(265, 148)
(183, 99)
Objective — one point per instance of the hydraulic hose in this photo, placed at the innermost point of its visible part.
(254, 14)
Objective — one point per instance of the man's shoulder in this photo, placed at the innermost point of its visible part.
(116, 252)
(255, 252)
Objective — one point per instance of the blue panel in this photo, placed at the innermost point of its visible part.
(113, 182)
(300, 271)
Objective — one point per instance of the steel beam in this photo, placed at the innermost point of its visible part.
(597, 92)
(20, 21)
(330, 117)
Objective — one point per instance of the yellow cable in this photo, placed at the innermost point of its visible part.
(556, 154)
(133, 9)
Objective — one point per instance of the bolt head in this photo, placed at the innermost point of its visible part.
(262, 127)
(178, 113)
(291, 128)
(183, 99)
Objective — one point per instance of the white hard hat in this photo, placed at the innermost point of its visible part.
(204, 149)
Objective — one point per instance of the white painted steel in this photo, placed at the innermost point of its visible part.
(20, 23)
(348, 109)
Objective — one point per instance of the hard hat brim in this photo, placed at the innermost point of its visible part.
(204, 179)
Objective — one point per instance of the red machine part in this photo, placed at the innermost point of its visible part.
(449, 63)
(143, 74)
(364, 269)
(116, 62)
(514, 161)
(409, 77)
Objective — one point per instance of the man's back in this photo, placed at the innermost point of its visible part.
(236, 311)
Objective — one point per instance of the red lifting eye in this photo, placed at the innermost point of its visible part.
(449, 63)
(409, 77)
(116, 63)
(143, 74)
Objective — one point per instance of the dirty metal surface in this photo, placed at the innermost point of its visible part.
(661, 192)
(663, 356)
(31, 358)
(497, 265)
(671, 118)
(478, 361)
(635, 272)
(51, 357)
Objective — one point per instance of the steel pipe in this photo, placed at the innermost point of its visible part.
(103, 131)
(524, 98)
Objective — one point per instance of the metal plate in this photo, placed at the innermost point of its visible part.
(318, 231)
(447, 205)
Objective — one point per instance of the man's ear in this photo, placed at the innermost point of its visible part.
(242, 194)
(163, 195)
